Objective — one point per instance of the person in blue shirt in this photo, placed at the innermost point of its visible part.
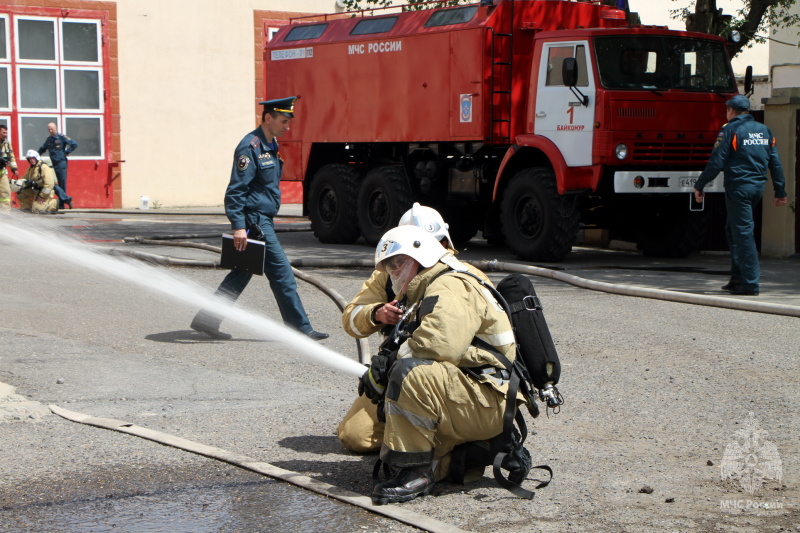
(252, 200)
(744, 150)
(58, 146)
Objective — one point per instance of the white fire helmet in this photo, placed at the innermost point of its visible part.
(412, 241)
(32, 154)
(428, 219)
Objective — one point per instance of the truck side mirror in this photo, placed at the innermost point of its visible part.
(569, 72)
(569, 75)
(748, 81)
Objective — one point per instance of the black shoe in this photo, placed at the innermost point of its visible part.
(316, 335)
(67, 203)
(732, 284)
(741, 291)
(407, 484)
(203, 326)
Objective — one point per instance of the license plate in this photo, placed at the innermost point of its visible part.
(687, 182)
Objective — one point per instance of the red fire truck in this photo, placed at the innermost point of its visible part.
(520, 118)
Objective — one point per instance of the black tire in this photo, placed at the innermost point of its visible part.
(671, 230)
(538, 224)
(332, 204)
(384, 196)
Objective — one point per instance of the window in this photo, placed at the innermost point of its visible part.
(58, 64)
(36, 40)
(373, 25)
(445, 17)
(82, 89)
(662, 63)
(87, 132)
(4, 94)
(3, 39)
(33, 130)
(38, 88)
(299, 33)
(5, 78)
(555, 62)
(80, 42)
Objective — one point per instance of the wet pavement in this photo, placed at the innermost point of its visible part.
(228, 500)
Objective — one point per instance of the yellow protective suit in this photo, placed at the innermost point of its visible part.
(432, 405)
(41, 198)
(360, 430)
(5, 189)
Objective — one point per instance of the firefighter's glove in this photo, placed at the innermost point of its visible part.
(18, 185)
(373, 382)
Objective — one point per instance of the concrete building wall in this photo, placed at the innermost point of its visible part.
(784, 55)
(782, 113)
(187, 93)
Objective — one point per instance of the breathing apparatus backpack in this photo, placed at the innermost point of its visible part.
(536, 368)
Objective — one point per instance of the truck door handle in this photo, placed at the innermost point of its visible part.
(541, 114)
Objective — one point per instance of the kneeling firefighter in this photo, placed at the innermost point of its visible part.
(447, 383)
(35, 190)
(378, 307)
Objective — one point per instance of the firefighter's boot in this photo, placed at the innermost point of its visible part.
(207, 323)
(406, 484)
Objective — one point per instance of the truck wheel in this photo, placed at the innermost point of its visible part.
(332, 204)
(538, 224)
(671, 230)
(385, 195)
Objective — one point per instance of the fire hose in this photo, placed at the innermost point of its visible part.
(494, 265)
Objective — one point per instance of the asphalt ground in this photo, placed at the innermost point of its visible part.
(656, 392)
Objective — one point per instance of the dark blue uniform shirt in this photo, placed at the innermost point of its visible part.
(58, 147)
(743, 151)
(255, 180)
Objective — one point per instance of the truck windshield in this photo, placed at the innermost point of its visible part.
(662, 63)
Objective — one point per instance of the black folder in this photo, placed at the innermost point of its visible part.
(250, 260)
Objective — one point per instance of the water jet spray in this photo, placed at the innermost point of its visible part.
(33, 235)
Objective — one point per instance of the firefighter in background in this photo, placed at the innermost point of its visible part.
(35, 190)
(8, 164)
(441, 391)
(743, 151)
(58, 146)
(374, 308)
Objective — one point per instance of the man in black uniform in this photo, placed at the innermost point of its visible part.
(743, 151)
(59, 146)
(252, 200)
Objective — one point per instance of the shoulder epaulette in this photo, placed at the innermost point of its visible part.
(255, 142)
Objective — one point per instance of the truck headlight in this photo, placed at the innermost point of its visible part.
(621, 151)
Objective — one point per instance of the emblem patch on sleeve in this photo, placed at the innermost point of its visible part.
(243, 162)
